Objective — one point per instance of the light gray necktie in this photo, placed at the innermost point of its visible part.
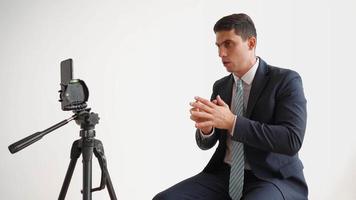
(237, 160)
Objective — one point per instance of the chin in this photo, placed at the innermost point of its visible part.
(229, 69)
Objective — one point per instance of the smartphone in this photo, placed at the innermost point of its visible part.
(66, 77)
(66, 71)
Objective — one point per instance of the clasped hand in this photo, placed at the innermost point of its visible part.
(207, 114)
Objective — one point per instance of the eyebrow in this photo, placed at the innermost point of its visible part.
(228, 40)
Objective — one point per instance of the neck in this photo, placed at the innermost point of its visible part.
(247, 66)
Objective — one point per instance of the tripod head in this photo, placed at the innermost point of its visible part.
(74, 93)
(73, 96)
(86, 119)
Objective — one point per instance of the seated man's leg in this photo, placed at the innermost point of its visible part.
(207, 186)
(255, 188)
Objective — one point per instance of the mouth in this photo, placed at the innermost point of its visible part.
(226, 63)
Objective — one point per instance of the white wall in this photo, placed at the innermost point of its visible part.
(143, 62)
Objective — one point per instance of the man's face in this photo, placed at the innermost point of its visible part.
(233, 51)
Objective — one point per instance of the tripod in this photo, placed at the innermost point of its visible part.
(86, 146)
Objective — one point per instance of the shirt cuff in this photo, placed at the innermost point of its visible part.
(233, 127)
(206, 136)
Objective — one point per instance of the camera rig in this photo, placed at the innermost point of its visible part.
(73, 97)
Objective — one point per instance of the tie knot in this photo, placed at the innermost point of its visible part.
(239, 83)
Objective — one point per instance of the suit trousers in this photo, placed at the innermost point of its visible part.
(215, 186)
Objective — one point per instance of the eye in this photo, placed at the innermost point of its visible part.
(228, 44)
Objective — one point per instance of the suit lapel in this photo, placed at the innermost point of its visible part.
(258, 84)
(226, 92)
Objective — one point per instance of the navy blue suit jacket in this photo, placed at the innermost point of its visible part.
(272, 129)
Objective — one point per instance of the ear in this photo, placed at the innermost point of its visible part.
(252, 42)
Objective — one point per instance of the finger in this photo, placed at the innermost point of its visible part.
(200, 106)
(215, 101)
(205, 101)
(221, 102)
(194, 118)
(193, 109)
(203, 115)
(197, 120)
(204, 124)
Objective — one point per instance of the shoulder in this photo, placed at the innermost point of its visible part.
(286, 81)
(282, 76)
(282, 73)
(222, 82)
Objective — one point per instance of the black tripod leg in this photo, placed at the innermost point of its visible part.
(87, 152)
(110, 187)
(99, 154)
(74, 155)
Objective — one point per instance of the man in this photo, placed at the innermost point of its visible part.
(258, 116)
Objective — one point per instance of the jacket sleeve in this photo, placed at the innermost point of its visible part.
(286, 132)
(205, 143)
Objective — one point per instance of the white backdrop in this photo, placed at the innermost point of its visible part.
(143, 62)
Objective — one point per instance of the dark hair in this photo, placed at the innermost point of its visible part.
(241, 23)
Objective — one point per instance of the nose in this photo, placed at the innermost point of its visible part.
(222, 52)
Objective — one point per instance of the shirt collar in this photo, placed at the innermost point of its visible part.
(249, 75)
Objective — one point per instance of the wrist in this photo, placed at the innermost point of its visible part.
(206, 131)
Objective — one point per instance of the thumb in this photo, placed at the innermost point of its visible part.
(221, 102)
